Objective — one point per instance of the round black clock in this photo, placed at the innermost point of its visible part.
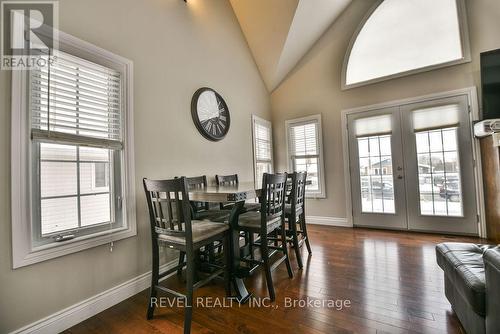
(210, 114)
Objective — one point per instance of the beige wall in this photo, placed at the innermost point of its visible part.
(176, 48)
(314, 87)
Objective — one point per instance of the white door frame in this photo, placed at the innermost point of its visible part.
(471, 93)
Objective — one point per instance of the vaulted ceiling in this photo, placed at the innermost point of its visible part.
(280, 32)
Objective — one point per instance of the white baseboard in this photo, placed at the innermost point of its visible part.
(74, 314)
(329, 221)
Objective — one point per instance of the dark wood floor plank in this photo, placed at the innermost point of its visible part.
(391, 279)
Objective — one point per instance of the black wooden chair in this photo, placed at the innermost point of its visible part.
(202, 210)
(267, 223)
(232, 180)
(172, 226)
(295, 214)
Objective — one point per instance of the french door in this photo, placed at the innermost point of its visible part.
(411, 167)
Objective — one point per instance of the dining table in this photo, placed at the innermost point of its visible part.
(237, 195)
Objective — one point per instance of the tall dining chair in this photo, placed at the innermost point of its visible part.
(172, 226)
(295, 214)
(232, 180)
(202, 210)
(267, 223)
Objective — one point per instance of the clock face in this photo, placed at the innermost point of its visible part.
(210, 114)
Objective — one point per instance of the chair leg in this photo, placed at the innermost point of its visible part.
(284, 248)
(188, 308)
(211, 253)
(227, 262)
(296, 244)
(154, 280)
(267, 268)
(182, 256)
(304, 232)
(251, 241)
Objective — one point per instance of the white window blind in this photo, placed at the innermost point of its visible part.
(77, 102)
(304, 140)
(263, 148)
(305, 152)
(372, 126)
(436, 117)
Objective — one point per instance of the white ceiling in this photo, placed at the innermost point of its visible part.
(281, 32)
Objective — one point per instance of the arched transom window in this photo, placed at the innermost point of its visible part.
(402, 37)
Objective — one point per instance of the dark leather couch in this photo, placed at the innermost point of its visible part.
(472, 284)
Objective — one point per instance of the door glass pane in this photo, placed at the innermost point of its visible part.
(376, 177)
(440, 184)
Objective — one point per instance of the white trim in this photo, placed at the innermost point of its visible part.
(464, 39)
(76, 313)
(328, 221)
(306, 120)
(23, 253)
(471, 93)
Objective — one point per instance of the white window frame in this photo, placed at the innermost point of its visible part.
(23, 251)
(464, 38)
(268, 124)
(302, 121)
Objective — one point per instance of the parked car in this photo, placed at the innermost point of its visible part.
(450, 190)
(379, 189)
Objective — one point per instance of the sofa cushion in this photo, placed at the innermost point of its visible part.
(464, 266)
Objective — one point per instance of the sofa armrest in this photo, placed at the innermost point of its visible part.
(492, 270)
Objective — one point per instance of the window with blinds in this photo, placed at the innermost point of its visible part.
(262, 147)
(76, 131)
(305, 152)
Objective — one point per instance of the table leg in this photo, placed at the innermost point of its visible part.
(237, 274)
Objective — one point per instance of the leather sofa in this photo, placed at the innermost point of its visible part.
(472, 284)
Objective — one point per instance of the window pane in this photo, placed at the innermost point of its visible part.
(59, 214)
(57, 152)
(404, 35)
(94, 154)
(261, 168)
(435, 141)
(309, 165)
(58, 179)
(439, 173)
(422, 139)
(363, 148)
(377, 192)
(95, 209)
(94, 177)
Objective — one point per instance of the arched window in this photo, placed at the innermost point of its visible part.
(401, 37)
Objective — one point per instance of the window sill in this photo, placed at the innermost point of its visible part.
(53, 250)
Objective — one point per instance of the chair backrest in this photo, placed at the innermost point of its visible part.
(168, 206)
(298, 190)
(226, 180)
(198, 182)
(272, 197)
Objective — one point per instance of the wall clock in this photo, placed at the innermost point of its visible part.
(210, 114)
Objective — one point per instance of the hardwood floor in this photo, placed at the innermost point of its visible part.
(391, 280)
